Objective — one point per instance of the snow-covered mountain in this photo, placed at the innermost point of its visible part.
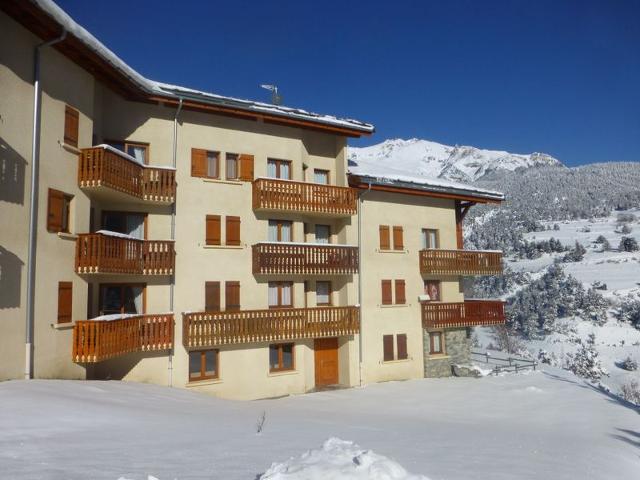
(434, 160)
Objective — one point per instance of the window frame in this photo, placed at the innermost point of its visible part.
(124, 213)
(329, 293)
(236, 160)
(279, 224)
(130, 143)
(440, 335)
(281, 367)
(218, 169)
(439, 284)
(315, 232)
(203, 365)
(122, 286)
(67, 316)
(64, 212)
(322, 170)
(279, 285)
(278, 163)
(425, 238)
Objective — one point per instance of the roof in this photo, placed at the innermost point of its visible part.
(47, 20)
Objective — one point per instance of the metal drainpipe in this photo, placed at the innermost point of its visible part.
(360, 203)
(173, 232)
(33, 206)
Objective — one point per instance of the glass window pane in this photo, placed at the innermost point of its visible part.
(286, 294)
(273, 294)
(273, 231)
(212, 164)
(211, 367)
(271, 169)
(323, 232)
(232, 165)
(433, 239)
(137, 152)
(321, 176)
(435, 340)
(135, 225)
(194, 364)
(322, 292)
(285, 170)
(273, 357)
(111, 300)
(285, 232)
(287, 356)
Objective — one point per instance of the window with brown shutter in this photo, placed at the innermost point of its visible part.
(58, 211)
(401, 341)
(246, 167)
(400, 293)
(387, 345)
(212, 296)
(71, 126)
(398, 243)
(65, 300)
(198, 162)
(232, 295)
(386, 292)
(233, 230)
(213, 230)
(384, 237)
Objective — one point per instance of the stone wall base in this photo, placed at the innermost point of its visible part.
(457, 351)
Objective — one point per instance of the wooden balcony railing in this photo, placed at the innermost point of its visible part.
(205, 329)
(470, 313)
(103, 253)
(102, 167)
(275, 194)
(460, 262)
(98, 340)
(301, 259)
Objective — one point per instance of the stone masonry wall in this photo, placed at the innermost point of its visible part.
(457, 351)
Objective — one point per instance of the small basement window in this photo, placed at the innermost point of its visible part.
(203, 365)
(281, 357)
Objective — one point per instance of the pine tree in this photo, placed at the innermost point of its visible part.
(585, 362)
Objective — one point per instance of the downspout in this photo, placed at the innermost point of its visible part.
(33, 206)
(360, 203)
(173, 233)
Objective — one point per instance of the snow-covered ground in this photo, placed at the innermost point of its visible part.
(538, 425)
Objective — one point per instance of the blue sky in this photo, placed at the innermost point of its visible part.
(561, 77)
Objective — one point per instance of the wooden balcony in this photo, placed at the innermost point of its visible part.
(471, 313)
(103, 253)
(100, 168)
(207, 329)
(311, 198)
(301, 259)
(98, 340)
(460, 262)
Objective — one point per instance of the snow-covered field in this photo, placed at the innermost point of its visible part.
(539, 425)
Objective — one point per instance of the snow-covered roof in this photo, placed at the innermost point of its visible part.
(153, 88)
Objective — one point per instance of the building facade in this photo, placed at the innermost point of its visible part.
(186, 239)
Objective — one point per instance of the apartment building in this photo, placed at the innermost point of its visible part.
(182, 238)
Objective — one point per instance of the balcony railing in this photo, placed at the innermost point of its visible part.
(103, 167)
(460, 262)
(303, 259)
(98, 340)
(206, 329)
(103, 253)
(471, 313)
(275, 194)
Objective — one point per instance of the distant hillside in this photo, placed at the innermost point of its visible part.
(435, 160)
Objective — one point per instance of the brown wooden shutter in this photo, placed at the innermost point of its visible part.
(246, 167)
(71, 126)
(65, 300)
(386, 292)
(401, 340)
(397, 238)
(55, 205)
(387, 345)
(198, 162)
(233, 230)
(384, 237)
(400, 292)
(212, 296)
(232, 295)
(213, 230)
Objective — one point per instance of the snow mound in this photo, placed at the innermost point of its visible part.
(339, 459)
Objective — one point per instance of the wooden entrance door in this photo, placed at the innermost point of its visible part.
(326, 361)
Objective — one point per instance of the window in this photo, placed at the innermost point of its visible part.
(205, 163)
(280, 294)
(429, 238)
(232, 296)
(435, 343)
(280, 231)
(213, 164)
(58, 211)
(321, 176)
(71, 126)
(137, 150)
(233, 230)
(323, 234)
(65, 300)
(133, 224)
(400, 292)
(323, 293)
(213, 235)
(400, 350)
(232, 166)
(203, 365)
(387, 298)
(279, 169)
(398, 243)
(385, 243)
(212, 296)
(432, 289)
(121, 298)
(281, 357)
(246, 167)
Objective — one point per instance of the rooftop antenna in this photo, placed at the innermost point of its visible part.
(276, 99)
